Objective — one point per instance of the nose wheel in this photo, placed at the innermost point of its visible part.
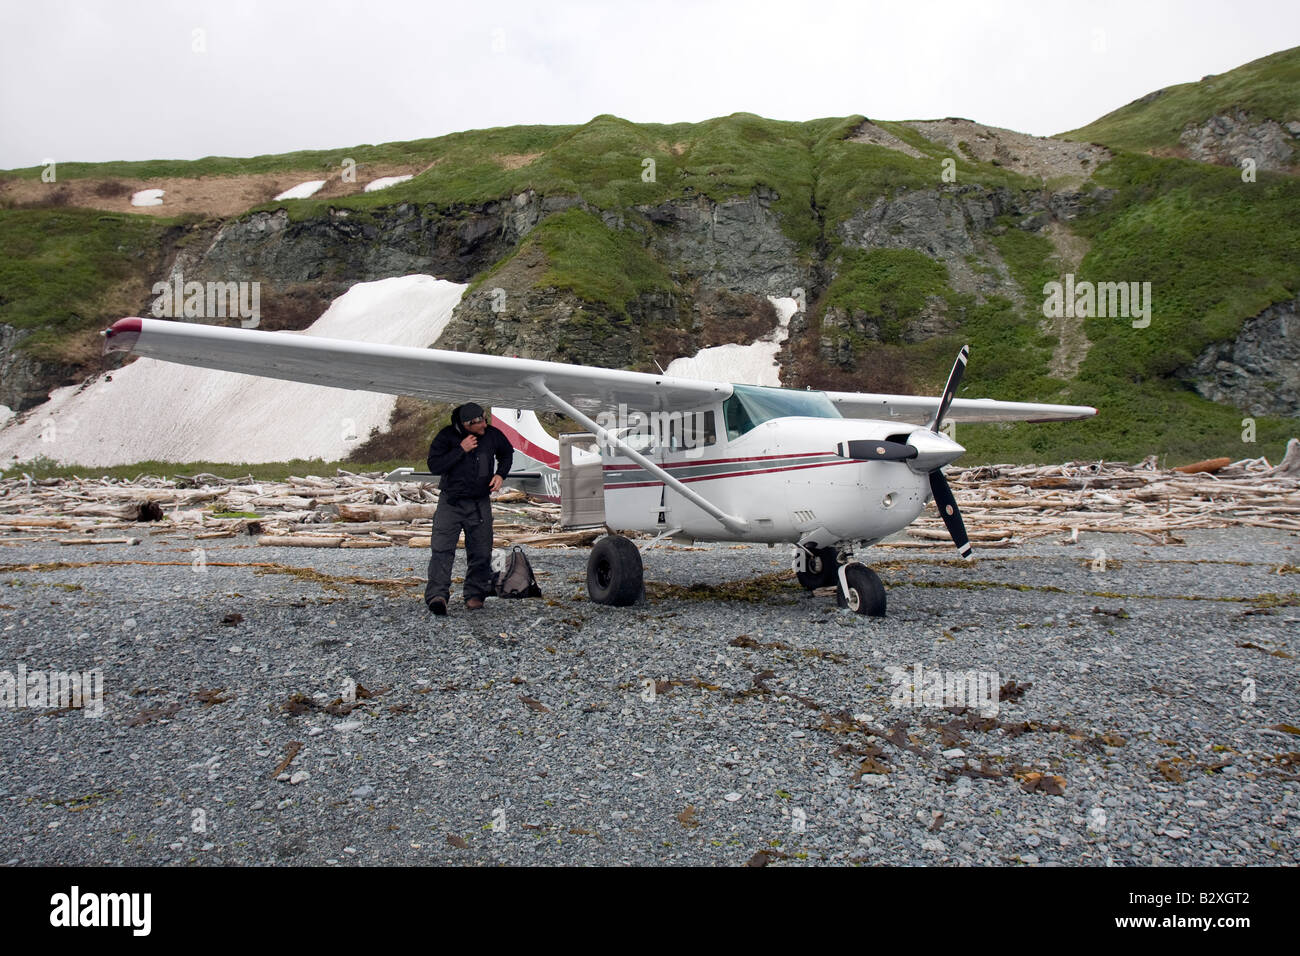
(859, 589)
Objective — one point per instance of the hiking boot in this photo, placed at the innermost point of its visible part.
(438, 606)
(474, 604)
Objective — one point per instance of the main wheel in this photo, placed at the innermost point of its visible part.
(614, 573)
(866, 595)
(822, 565)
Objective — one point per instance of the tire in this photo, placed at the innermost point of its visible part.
(866, 593)
(827, 561)
(614, 573)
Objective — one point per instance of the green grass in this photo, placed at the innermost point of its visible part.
(892, 286)
(60, 269)
(599, 265)
(1267, 88)
(1215, 250)
(888, 286)
(514, 139)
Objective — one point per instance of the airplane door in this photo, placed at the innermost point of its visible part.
(582, 486)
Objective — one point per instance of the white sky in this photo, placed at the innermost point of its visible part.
(82, 80)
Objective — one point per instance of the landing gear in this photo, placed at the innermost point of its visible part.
(818, 567)
(858, 588)
(614, 572)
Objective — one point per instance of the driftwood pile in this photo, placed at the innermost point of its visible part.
(1005, 504)
(346, 511)
(1002, 505)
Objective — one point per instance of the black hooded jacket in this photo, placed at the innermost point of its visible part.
(466, 474)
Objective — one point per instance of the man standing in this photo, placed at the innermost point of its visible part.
(474, 460)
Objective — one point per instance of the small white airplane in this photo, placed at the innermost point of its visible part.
(830, 473)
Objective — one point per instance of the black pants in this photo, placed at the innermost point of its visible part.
(475, 517)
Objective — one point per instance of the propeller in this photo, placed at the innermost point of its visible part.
(927, 453)
(875, 450)
(943, 496)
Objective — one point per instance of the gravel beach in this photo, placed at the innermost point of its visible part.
(274, 705)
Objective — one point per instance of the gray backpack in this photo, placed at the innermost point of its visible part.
(516, 580)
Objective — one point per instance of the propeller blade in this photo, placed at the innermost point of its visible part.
(949, 512)
(950, 390)
(875, 450)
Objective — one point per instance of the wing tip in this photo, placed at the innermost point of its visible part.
(122, 335)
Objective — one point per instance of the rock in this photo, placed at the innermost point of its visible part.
(363, 791)
(1259, 370)
(933, 846)
(732, 797)
(1227, 140)
(302, 776)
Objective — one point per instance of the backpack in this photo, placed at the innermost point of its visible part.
(515, 579)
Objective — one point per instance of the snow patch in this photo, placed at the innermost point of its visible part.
(753, 364)
(386, 181)
(147, 197)
(301, 191)
(6, 413)
(152, 410)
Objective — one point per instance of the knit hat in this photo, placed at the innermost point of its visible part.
(469, 411)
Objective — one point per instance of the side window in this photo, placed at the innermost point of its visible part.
(692, 430)
(738, 420)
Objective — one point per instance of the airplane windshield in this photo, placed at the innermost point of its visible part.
(751, 405)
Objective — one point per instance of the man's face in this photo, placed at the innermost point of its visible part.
(476, 426)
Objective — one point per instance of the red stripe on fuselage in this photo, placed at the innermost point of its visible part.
(697, 462)
(733, 474)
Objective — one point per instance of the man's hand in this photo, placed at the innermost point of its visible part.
(469, 443)
(496, 482)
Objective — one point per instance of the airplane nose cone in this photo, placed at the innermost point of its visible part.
(933, 450)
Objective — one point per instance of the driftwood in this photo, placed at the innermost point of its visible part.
(385, 512)
(1002, 505)
(1290, 465)
(1212, 464)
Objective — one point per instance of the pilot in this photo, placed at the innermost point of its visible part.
(474, 460)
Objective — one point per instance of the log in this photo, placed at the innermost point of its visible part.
(1209, 465)
(300, 541)
(85, 541)
(385, 512)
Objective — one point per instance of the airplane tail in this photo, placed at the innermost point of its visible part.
(537, 454)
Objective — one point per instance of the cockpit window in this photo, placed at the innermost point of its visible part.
(751, 405)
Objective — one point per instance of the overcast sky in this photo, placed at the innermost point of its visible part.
(151, 79)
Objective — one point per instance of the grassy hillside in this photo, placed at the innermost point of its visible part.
(1267, 88)
(64, 270)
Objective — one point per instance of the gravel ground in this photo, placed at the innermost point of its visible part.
(702, 727)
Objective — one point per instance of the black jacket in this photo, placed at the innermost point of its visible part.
(466, 474)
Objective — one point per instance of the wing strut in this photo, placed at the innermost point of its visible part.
(730, 522)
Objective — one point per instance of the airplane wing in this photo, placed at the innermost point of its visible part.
(917, 409)
(431, 374)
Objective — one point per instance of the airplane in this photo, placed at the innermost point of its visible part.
(829, 473)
